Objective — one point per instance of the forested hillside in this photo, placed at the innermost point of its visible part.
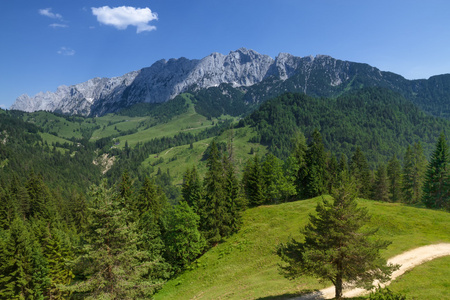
(86, 200)
(379, 121)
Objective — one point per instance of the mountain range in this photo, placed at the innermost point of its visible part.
(243, 76)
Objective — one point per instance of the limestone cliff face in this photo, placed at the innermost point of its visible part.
(166, 79)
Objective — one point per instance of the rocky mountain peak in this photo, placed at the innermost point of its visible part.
(165, 79)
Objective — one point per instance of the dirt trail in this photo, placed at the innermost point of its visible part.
(407, 260)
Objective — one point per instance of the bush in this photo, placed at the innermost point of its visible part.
(386, 294)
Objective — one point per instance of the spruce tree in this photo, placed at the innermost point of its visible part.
(359, 169)
(394, 173)
(213, 213)
(184, 243)
(233, 197)
(436, 187)
(414, 170)
(381, 186)
(16, 264)
(299, 162)
(112, 261)
(336, 248)
(191, 189)
(277, 187)
(253, 181)
(315, 183)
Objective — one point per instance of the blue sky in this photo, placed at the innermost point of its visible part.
(48, 43)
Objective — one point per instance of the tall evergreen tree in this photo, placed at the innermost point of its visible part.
(191, 189)
(381, 186)
(253, 181)
(298, 161)
(359, 169)
(16, 264)
(335, 247)
(150, 198)
(394, 173)
(414, 169)
(112, 262)
(213, 213)
(233, 197)
(277, 186)
(315, 181)
(436, 188)
(184, 243)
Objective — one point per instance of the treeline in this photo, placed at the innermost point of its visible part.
(311, 171)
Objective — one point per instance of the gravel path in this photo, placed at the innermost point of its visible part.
(407, 260)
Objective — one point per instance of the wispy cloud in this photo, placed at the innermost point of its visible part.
(124, 16)
(3, 106)
(66, 51)
(48, 13)
(58, 25)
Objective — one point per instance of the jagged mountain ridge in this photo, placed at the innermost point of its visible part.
(258, 76)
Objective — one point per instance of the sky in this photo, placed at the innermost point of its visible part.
(48, 43)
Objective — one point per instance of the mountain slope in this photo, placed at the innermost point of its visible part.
(381, 122)
(252, 79)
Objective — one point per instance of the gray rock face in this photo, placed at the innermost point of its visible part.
(166, 79)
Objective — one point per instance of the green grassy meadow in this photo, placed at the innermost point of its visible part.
(245, 266)
(178, 159)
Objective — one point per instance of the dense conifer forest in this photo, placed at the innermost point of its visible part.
(70, 228)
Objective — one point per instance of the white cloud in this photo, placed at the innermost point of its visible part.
(57, 25)
(124, 16)
(66, 51)
(48, 13)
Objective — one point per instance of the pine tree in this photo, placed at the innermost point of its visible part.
(381, 186)
(151, 198)
(414, 169)
(335, 247)
(112, 261)
(394, 173)
(213, 213)
(184, 243)
(126, 190)
(298, 161)
(277, 186)
(7, 208)
(253, 182)
(233, 198)
(359, 169)
(58, 255)
(192, 189)
(315, 180)
(332, 172)
(436, 187)
(16, 264)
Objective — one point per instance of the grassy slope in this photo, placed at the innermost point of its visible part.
(178, 159)
(189, 121)
(245, 266)
(427, 281)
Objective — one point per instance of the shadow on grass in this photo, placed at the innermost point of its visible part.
(307, 294)
(313, 295)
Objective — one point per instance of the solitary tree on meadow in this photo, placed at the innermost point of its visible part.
(335, 247)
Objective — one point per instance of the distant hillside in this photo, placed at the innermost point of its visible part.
(25, 148)
(381, 122)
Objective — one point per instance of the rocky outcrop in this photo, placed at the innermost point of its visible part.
(164, 80)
